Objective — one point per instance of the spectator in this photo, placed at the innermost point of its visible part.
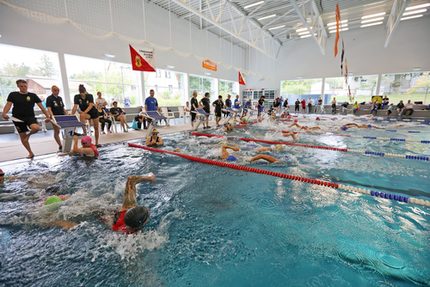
(385, 102)
(390, 109)
(408, 110)
(141, 118)
(260, 108)
(320, 106)
(104, 117)
(310, 106)
(119, 115)
(400, 107)
(344, 108)
(194, 106)
(205, 101)
(355, 108)
(303, 102)
(56, 108)
(285, 105)
(100, 102)
(227, 105)
(236, 102)
(333, 106)
(219, 105)
(297, 106)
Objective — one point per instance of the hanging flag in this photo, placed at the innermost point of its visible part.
(346, 71)
(341, 58)
(139, 63)
(336, 41)
(241, 79)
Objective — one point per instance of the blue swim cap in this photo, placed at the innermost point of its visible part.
(344, 128)
(369, 126)
(231, 158)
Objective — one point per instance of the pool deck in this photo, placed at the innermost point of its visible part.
(43, 143)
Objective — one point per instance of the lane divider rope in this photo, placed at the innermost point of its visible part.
(384, 195)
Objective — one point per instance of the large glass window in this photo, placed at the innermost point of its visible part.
(170, 89)
(203, 85)
(408, 86)
(301, 89)
(227, 87)
(41, 69)
(116, 81)
(362, 88)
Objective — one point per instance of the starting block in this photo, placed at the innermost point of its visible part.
(154, 116)
(202, 114)
(68, 124)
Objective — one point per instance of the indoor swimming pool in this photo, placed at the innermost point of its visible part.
(214, 226)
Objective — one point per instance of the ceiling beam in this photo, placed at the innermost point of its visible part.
(393, 21)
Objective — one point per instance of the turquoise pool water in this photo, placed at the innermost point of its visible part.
(212, 226)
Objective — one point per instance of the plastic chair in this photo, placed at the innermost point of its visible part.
(165, 112)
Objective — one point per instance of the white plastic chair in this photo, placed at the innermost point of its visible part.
(169, 115)
(183, 114)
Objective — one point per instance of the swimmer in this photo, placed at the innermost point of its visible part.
(225, 155)
(228, 127)
(1, 176)
(131, 218)
(87, 149)
(306, 128)
(276, 148)
(359, 126)
(154, 139)
(293, 135)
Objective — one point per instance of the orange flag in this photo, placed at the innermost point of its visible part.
(241, 79)
(336, 41)
(138, 63)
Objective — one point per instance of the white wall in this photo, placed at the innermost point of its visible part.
(17, 29)
(409, 47)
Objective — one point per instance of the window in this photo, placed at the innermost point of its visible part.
(116, 81)
(363, 87)
(203, 85)
(227, 87)
(409, 86)
(40, 68)
(301, 89)
(170, 90)
(335, 87)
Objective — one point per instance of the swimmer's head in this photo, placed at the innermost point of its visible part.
(86, 141)
(1, 176)
(369, 126)
(231, 158)
(318, 119)
(344, 128)
(296, 120)
(136, 217)
(154, 131)
(279, 147)
(53, 199)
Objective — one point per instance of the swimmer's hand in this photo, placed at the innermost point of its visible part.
(151, 176)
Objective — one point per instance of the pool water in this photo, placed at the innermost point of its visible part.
(214, 226)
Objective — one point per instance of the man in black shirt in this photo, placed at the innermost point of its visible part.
(23, 113)
(297, 106)
(85, 102)
(55, 106)
(206, 107)
(194, 106)
(218, 104)
(228, 104)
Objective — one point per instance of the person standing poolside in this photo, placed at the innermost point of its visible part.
(85, 102)
(23, 113)
(227, 105)
(219, 105)
(285, 104)
(55, 106)
(333, 106)
(260, 108)
(206, 107)
(297, 106)
(154, 139)
(194, 106)
(236, 102)
(303, 103)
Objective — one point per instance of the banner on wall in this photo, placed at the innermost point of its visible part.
(140, 63)
(209, 65)
(241, 79)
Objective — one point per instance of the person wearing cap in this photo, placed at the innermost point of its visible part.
(228, 127)
(87, 149)
(23, 116)
(154, 139)
(131, 218)
(55, 106)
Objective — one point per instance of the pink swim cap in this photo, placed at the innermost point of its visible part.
(86, 140)
(296, 120)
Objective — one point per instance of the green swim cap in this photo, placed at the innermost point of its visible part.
(52, 199)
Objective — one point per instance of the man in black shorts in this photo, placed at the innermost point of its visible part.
(219, 105)
(55, 106)
(194, 106)
(206, 107)
(88, 111)
(23, 113)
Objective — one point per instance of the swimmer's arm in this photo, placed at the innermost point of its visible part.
(130, 189)
(265, 157)
(160, 141)
(148, 141)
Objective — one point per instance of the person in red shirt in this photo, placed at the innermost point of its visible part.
(303, 102)
(131, 218)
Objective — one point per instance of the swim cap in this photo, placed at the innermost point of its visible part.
(296, 120)
(344, 128)
(231, 158)
(369, 126)
(52, 199)
(86, 140)
(1, 172)
(155, 131)
(318, 118)
(136, 217)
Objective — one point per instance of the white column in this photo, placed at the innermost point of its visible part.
(378, 84)
(322, 90)
(142, 92)
(66, 91)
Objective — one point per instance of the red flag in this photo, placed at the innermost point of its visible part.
(336, 41)
(138, 63)
(241, 79)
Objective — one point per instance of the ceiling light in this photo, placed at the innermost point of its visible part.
(340, 30)
(305, 36)
(303, 33)
(373, 15)
(414, 12)
(266, 17)
(109, 56)
(417, 69)
(371, 24)
(372, 20)
(334, 23)
(303, 29)
(253, 4)
(170, 67)
(277, 27)
(411, 17)
(340, 26)
(418, 6)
